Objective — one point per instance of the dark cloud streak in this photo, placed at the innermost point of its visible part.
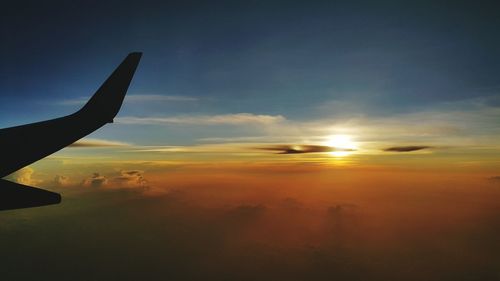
(300, 149)
(407, 148)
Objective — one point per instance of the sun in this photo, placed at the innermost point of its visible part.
(343, 145)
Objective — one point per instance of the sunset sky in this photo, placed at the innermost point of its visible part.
(303, 140)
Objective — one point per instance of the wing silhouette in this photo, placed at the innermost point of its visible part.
(29, 143)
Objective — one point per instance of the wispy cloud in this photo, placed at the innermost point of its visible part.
(243, 148)
(224, 119)
(77, 101)
(157, 98)
(299, 149)
(407, 148)
(250, 139)
(136, 99)
(206, 148)
(98, 143)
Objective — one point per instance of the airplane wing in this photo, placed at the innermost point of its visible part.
(29, 143)
(15, 196)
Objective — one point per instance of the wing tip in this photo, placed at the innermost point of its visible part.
(135, 54)
(18, 196)
(105, 104)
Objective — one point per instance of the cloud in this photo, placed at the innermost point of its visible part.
(245, 213)
(77, 101)
(407, 148)
(494, 178)
(224, 119)
(242, 148)
(97, 143)
(136, 98)
(339, 208)
(24, 176)
(124, 179)
(96, 180)
(60, 180)
(206, 222)
(298, 149)
(209, 148)
(248, 139)
(290, 203)
(131, 178)
(157, 98)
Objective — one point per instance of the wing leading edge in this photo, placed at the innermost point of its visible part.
(29, 143)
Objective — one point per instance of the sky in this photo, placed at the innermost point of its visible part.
(265, 140)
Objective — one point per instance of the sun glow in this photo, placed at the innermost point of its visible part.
(343, 145)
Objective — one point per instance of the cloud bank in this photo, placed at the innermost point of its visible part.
(249, 226)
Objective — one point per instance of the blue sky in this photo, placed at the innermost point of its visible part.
(299, 60)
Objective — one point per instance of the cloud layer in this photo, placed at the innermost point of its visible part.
(260, 226)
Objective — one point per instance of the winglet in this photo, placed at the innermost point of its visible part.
(106, 102)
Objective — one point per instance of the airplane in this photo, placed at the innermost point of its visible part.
(29, 143)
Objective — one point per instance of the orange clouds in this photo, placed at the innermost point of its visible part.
(262, 222)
